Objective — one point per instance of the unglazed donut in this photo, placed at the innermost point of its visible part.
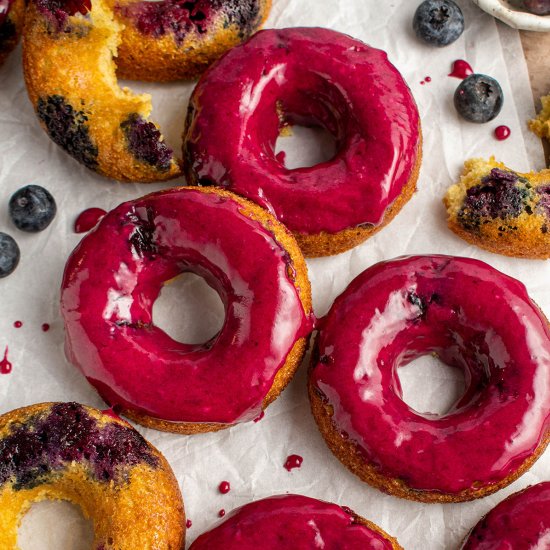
(297, 522)
(12, 15)
(308, 76)
(177, 39)
(521, 522)
(71, 81)
(474, 318)
(116, 273)
(501, 210)
(67, 451)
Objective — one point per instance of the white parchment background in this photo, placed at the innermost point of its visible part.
(251, 456)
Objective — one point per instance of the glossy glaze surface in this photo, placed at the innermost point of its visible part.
(474, 318)
(291, 521)
(306, 76)
(87, 219)
(117, 272)
(521, 522)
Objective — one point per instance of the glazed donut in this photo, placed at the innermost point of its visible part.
(71, 81)
(116, 273)
(318, 77)
(67, 451)
(500, 210)
(177, 39)
(12, 15)
(294, 521)
(474, 318)
(521, 522)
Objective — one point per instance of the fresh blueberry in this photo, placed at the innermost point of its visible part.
(478, 98)
(9, 255)
(538, 7)
(32, 208)
(438, 22)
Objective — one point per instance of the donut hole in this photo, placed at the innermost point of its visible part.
(431, 387)
(304, 146)
(51, 525)
(189, 310)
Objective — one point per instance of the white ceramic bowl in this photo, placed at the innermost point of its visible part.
(510, 13)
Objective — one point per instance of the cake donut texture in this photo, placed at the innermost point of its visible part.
(12, 15)
(541, 125)
(176, 39)
(67, 451)
(521, 522)
(68, 63)
(308, 76)
(294, 521)
(501, 210)
(472, 317)
(116, 273)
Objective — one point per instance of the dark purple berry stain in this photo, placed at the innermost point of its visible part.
(181, 17)
(145, 142)
(59, 11)
(52, 440)
(501, 194)
(67, 127)
(142, 238)
(544, 198)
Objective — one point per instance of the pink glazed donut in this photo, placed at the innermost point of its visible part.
(308, 76)
(521, 522)
(297, 522)
(474, 318)
(116, 273)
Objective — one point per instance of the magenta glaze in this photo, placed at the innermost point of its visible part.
(5, 365)
(292, 462)
(461, 69)
(290, 521)
(88, 219)
(318, 77)
(521, 522)
(117, 272)
(473, 317)
(5, 6)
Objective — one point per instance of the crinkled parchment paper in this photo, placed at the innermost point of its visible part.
(251, 456)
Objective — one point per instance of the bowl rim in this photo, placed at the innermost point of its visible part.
(517, 19)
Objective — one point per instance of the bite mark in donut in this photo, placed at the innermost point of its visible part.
(501, 210)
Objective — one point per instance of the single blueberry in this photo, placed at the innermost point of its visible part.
(9, 255)
(32, 208)
(438, 22)
(478, 98)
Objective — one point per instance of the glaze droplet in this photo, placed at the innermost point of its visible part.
(293, 461)
(5, 365)
(224, 487)
(260, 416)
(461, 69)
(188, 524)
(45, 327)
(502, 132)
(88, 219)
(18, 324)
(221, 513)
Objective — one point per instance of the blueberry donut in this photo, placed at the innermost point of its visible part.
(67, 451)
(68, 51)
(12, 15)
(294, 521)
(541, 125)
(472, 317)
(521, 522)
(500, 210)
(177, 39)
(318, 77)
(117, 272)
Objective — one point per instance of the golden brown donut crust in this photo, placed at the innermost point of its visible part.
(160, 59)
(77, 66)
(11, 29)
(285, 238)
(526, 235)
(145, 512)
(373, 527)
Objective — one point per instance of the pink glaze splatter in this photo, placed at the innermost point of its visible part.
(260, 416)
(18, 324)
(188, 524)
(5, 365)
(221, 513)
(461, 69)
(45, 327)
(224, 487)
(502, 132)
(293, 461)
(88, 219)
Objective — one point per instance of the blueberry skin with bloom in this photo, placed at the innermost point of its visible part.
(438, 22)
(478, 98)
(32, 208)
(9, 255)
